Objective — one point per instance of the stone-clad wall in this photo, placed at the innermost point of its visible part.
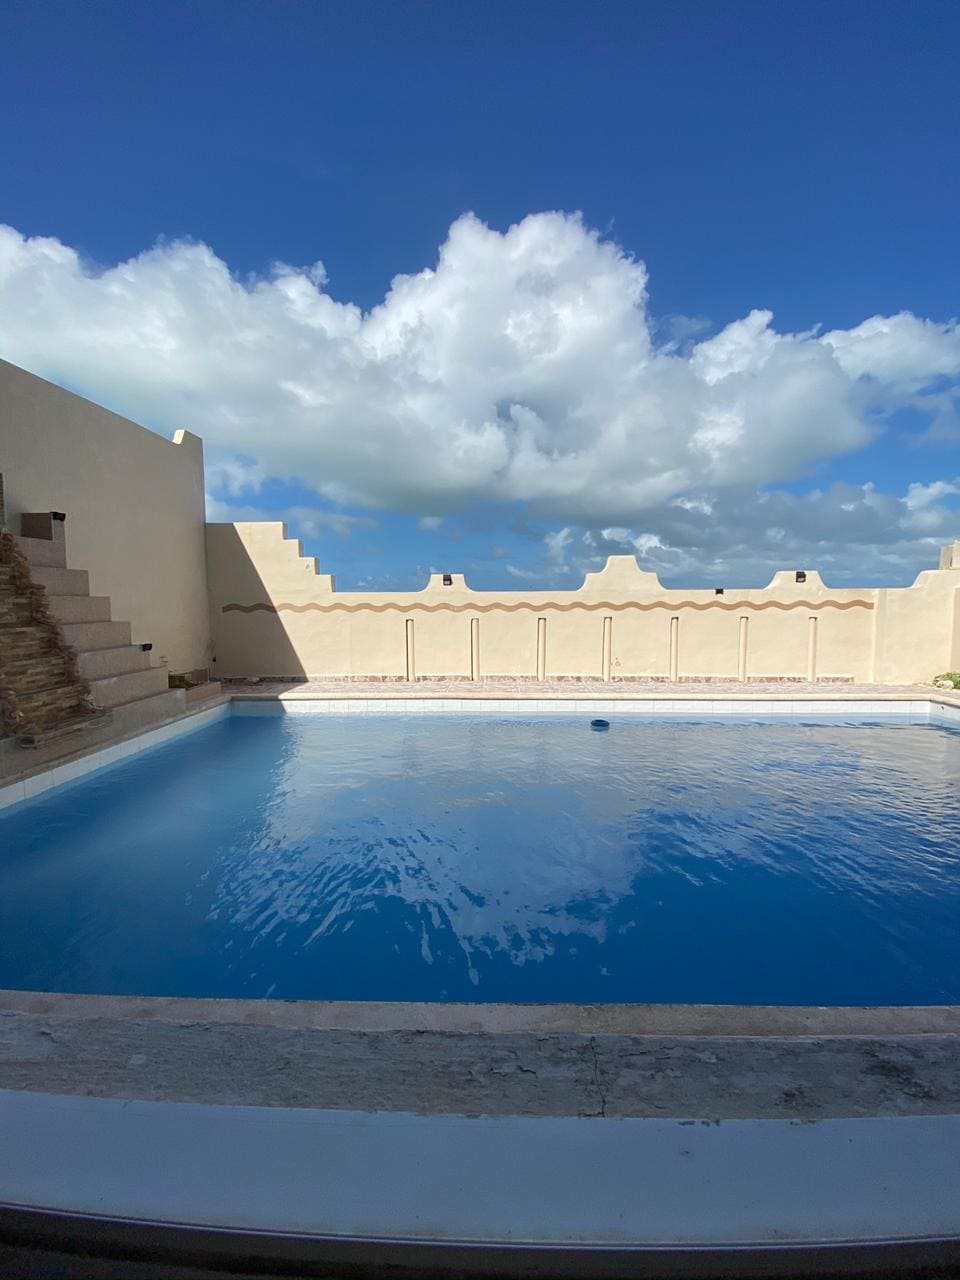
(40, 687)
(273, 614)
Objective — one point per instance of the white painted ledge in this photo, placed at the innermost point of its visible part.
(509, 1180)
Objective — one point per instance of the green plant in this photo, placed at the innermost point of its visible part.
(949, 679)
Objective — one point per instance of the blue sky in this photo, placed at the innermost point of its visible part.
(589, 365)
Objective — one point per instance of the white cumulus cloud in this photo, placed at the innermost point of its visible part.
(898, 349)
(522, 366)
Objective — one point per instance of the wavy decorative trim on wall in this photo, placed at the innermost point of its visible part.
(554, 607)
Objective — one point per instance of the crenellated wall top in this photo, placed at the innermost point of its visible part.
(255, 565)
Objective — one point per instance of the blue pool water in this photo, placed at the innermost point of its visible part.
(444, 858)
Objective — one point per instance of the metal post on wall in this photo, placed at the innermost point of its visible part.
(812, 650)
(607, 649)
(541, 649)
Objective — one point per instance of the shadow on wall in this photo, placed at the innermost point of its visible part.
(262, 645)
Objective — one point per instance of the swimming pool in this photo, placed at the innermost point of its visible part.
(449, 858)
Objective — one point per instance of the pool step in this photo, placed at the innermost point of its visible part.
(128, 686)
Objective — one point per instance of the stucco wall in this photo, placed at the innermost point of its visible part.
(134, 504)
(273, 614)
(918, 627)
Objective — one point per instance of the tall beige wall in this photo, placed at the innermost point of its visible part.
(134, 504)
(272, 613)
(918, 627)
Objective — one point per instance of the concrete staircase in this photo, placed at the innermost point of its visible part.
(41, 691)
(120, 675)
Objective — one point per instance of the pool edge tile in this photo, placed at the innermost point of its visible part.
(12, 793)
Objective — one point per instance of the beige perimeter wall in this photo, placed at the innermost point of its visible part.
(134, 504)
(273, 614)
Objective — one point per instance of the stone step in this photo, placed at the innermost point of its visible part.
(78, 722)
(80, 608)
(40, 671)
(82, 636)
(44, 707)
(61, 582)
(45, 552)
(25, 642)
(113, 691)
(130, 716)
(15, 611)
(201, 692)
(96, 663)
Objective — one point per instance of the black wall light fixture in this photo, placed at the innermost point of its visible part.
(801, 575)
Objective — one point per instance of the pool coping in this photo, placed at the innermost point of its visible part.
(656, 1020)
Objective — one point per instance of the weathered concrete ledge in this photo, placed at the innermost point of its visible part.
(697, 1061)
(730, 1021)
(698, 1077)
